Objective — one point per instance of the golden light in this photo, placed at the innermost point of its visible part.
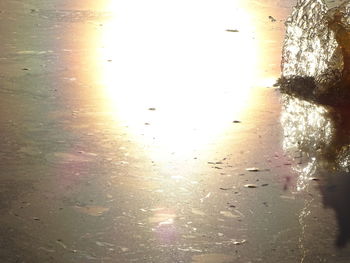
(173, 74)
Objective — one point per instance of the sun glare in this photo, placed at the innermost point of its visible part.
(173, 73)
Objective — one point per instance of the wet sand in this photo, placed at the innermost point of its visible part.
(95, 169)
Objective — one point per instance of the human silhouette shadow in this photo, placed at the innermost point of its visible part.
(335, 190)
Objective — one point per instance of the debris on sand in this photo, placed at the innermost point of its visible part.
(228, 214)
(241, 242)
(59, 241)
(225, 189)
(46, 249)
(252, 169)
(197, 212)
(91, 210)
(314, 179)
(214, 162)
(104, 244)
(250, 186)
(205, 197)
(272, 19)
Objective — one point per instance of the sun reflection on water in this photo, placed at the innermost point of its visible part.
(173, 74)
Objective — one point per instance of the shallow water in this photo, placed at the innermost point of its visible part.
(128, 130)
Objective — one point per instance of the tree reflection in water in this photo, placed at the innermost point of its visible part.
(318, 138)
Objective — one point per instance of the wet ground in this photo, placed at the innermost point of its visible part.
(147, 132)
